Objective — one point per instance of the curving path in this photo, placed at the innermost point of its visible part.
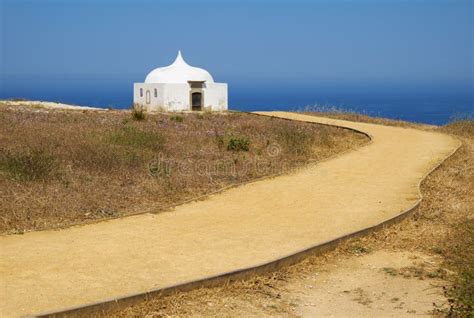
(239, 228)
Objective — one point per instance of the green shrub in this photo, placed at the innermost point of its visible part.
(238, 144)
(28, 164)
(177, 118)
(138, 113)
(131, 136)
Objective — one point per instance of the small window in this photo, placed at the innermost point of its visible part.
(141, 92)
(156, 92)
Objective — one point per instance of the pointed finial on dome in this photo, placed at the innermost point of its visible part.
(179, 59)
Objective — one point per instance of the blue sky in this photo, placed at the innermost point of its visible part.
(379, 42)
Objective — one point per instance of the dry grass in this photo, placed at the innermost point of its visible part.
(462, 128)
(336, 113)
(59, 168)
(28, 164)
(443, 225)
(138, 113)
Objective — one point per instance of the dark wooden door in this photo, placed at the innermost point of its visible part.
(196, 101)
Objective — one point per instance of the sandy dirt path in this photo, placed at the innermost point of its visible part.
(239, 228)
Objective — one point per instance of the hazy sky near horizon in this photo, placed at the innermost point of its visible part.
(322, 41)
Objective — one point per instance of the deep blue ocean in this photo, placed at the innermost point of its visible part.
(433, 105)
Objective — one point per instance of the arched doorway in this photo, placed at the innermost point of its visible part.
(196, 101)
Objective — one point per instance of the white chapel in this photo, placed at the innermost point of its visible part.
(180, 87)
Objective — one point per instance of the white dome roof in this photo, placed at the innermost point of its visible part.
(178, 72)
